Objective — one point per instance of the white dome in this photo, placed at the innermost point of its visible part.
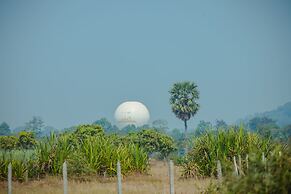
(132, 113)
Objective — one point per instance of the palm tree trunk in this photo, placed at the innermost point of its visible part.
(186, 138)
(185, 123)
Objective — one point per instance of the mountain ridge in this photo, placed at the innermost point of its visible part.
(281, 114)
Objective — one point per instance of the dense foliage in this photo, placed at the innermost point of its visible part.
(153, 141)
(8, 142)
(24, 140)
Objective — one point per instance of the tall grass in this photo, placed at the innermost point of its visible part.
(223, 145)
(101, 155)
(20, 161)
(85, 154)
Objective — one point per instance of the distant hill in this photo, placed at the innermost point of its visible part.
(282, 115)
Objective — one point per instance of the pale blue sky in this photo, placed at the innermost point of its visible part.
(73, 62)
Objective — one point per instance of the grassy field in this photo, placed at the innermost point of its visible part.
(156, 182)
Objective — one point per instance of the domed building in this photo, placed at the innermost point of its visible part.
(131, 113)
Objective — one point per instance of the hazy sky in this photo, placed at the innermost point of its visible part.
(73, 62)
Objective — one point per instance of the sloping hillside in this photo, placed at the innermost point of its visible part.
(282, 115)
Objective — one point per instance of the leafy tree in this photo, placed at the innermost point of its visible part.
(26, 140)
(84, 131)
(220, 124)
(202, 127)
(153, 141)
(35, 125)
(183, 100)
(160, 125)
(4, 129)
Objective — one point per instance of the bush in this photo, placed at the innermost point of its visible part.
(26, 140)
(8, 142)
(84, 131)
(152, 141)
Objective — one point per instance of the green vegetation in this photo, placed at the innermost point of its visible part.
(153, 141)
(106, 125)
(223, 145)
(88, 152)
(202, 127)
(92, 150)
(24, 140)
(183, 100)
(8, 142)
(272, 176)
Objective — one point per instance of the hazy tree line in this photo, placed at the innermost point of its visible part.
(184, 98)
(262, 125)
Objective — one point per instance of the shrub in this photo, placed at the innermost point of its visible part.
(84, 131)
(153, 141)
(8, 142)
(26, 140)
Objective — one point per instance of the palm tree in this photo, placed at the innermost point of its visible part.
(183, 100)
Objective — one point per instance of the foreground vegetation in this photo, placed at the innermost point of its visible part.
(155, 182)
(271, 176)
(223, 145)
(92, 153)
(87, 150)
(263, 165)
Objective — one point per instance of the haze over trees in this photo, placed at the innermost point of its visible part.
(160, 125)
(202, 127)
(220, 124)
(106, 125)
(35, 125)
(4, 129)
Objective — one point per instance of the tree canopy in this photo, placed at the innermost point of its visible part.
(183, 100)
